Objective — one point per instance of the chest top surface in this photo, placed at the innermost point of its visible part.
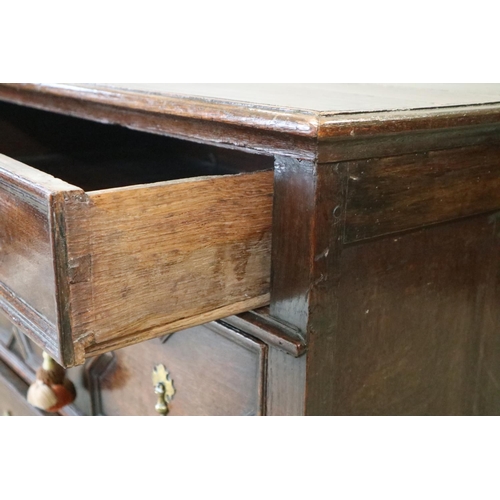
(325, 98)
(289, 118)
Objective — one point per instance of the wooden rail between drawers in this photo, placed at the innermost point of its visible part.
(394, 194)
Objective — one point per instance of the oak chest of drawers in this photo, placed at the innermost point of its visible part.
(279, 249)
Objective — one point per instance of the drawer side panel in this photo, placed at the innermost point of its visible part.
(27, 279)
(201, 245)
(29, 231)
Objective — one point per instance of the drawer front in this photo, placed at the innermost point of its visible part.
(86, 272)
(214, 370)
(13, 395)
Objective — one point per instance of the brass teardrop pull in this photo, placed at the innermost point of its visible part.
(164, 389)
(161, 406)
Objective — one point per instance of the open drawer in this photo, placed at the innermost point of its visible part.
(106, 242)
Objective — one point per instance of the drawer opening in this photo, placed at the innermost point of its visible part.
(111, 236)
(96, 156)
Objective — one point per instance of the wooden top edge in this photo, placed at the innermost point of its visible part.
(284, 120)
(33, 179)
(292, 121)
(319, 99)
(359, 124)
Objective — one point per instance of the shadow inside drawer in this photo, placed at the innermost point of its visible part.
(98, 156)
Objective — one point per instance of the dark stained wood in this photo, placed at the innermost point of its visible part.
(98, 156)
(274, 127)
(260, 324)
(412, 120)
(390, 195)
(423, 350)
(385, 250)
(247, 135)
(353, 147)
(323, 293)
(307, 242)
(215, 371)
(294, 205)
(486, 393)
(411, 318)
(283, 107)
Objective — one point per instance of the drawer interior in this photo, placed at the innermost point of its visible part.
(96, 156)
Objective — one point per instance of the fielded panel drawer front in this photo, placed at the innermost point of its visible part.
(213, 370)
(84, 271)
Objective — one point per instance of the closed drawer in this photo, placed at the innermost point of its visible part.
(214, 371)
(13, 395)
(96, 255)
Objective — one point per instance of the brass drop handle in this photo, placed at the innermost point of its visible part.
(164, 389)
(161, 406)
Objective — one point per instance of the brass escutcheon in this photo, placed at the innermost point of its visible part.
(163, 387)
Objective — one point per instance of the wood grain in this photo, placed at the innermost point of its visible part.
(291, 130)
(215, 371)
(197, 125)
(390, 323)
(75, 266)
(486, 399)
(199, 252)
(273, 105)
(412, 312)
(293, 225)
(27, 265)
(307, 244)
(394, 194)
(324, 288)
(377, 145)
(123, 269)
